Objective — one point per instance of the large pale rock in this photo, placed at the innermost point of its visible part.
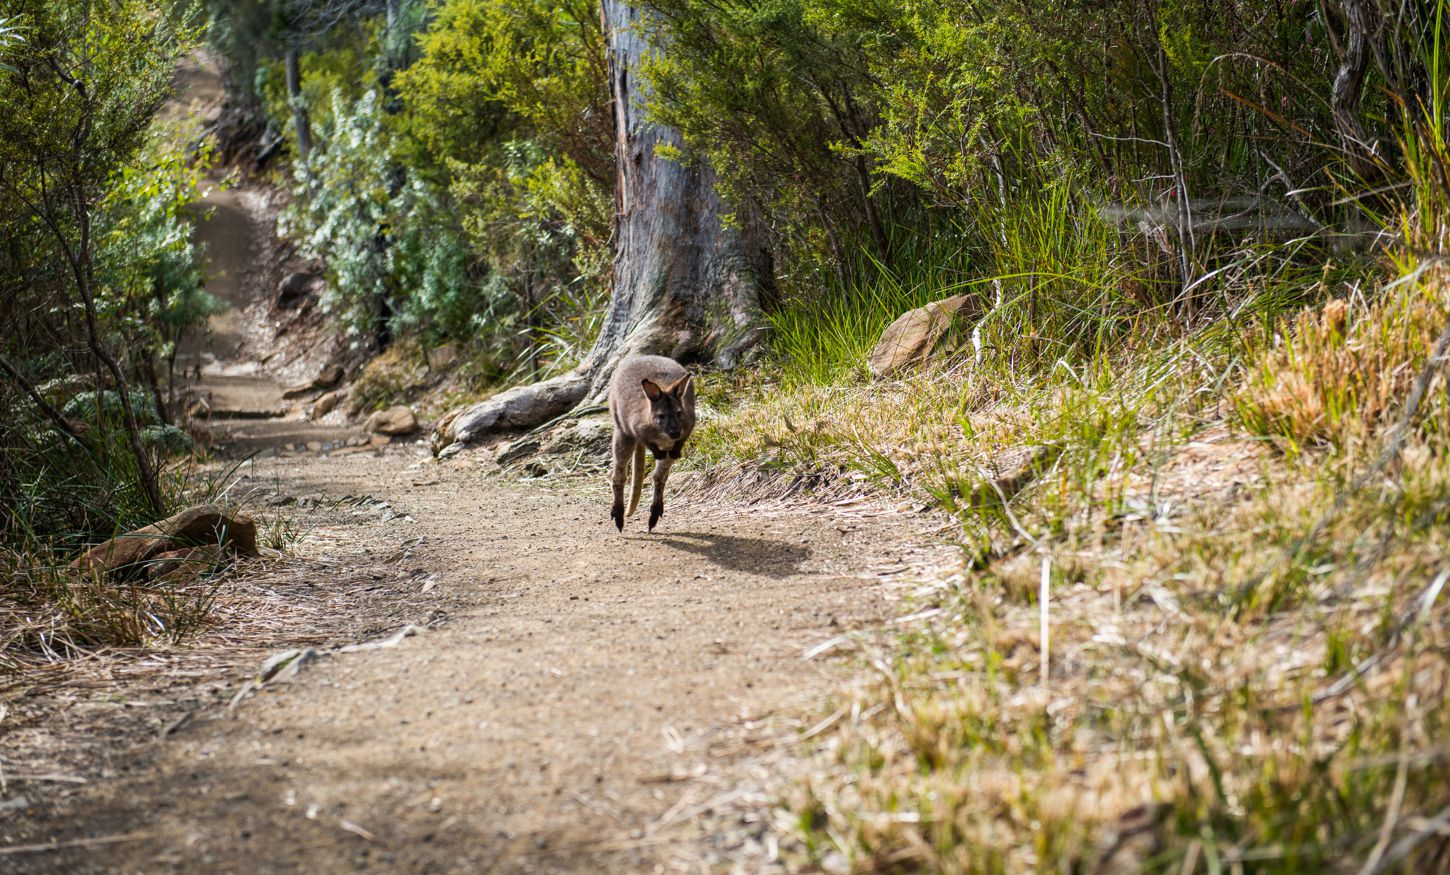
(184, 565)
(911, 338)
(329, 377)
(393, 421)
(205, 524)
(326, 403)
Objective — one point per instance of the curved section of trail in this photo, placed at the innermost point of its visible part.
(570, 699)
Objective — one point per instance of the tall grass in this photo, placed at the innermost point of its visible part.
(1048, 276)
(60, 496)
(1241, 512)
(826, 336)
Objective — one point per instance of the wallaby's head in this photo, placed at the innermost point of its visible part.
(668, 404)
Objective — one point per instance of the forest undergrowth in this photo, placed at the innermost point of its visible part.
(1199, 623)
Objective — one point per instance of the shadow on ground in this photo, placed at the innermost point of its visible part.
(763, 556)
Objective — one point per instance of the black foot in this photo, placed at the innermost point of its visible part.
(618, 515)
(655, 512)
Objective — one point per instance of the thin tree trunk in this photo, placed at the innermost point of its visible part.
(83, 271)
(1360, 27)
(686, 284)
(147, 371)
(145, 471)
(300, 123)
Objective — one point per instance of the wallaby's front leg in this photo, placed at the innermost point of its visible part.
(619, 473)
(662, 473)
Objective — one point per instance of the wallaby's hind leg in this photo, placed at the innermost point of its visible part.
(662, 473)
(619, 473)
(636, 476)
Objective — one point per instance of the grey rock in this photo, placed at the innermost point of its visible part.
(294, 289)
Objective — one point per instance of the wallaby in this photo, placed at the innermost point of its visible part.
(652, 401)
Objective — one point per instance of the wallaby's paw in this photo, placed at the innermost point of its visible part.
(655, 512)
(617, 514)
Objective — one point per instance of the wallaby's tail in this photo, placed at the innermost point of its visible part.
(638, 471)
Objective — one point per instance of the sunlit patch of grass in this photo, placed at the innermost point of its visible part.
(1242, 522)
(1189, 717)
(1247, 647)
(1338, 373)
(1247, 659)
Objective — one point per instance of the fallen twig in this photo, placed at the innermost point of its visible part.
(74, 843)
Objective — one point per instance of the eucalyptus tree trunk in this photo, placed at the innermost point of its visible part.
(687, 283)
(300, 123)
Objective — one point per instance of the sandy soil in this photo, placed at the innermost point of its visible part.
(579, 695)
(573, 700)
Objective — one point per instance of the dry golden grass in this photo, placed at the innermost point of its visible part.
(1339, 372)
(1211, 695)
(1248, 648)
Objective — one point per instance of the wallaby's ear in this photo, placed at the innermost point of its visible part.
(652, 389)
(682, 388)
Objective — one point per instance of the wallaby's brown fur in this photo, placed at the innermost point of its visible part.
(652, 402)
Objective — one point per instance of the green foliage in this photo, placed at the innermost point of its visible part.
(779, 97)
(469, 199)
(382, 233)
(535, 220)
(340, 63)
(496, 70)
(144, 250)
(508, 107)
(99, 408)
(840, 119)
(10, 36)
(91, 209)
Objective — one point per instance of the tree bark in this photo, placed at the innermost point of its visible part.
(688, 281)
(1361, 26)
(145, 470)
(300, 122)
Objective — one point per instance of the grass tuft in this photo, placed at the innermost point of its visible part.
(1339, 373)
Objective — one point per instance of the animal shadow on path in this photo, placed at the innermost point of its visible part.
(762, 556)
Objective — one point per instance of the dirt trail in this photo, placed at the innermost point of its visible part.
(575, 700)
(586, 698)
